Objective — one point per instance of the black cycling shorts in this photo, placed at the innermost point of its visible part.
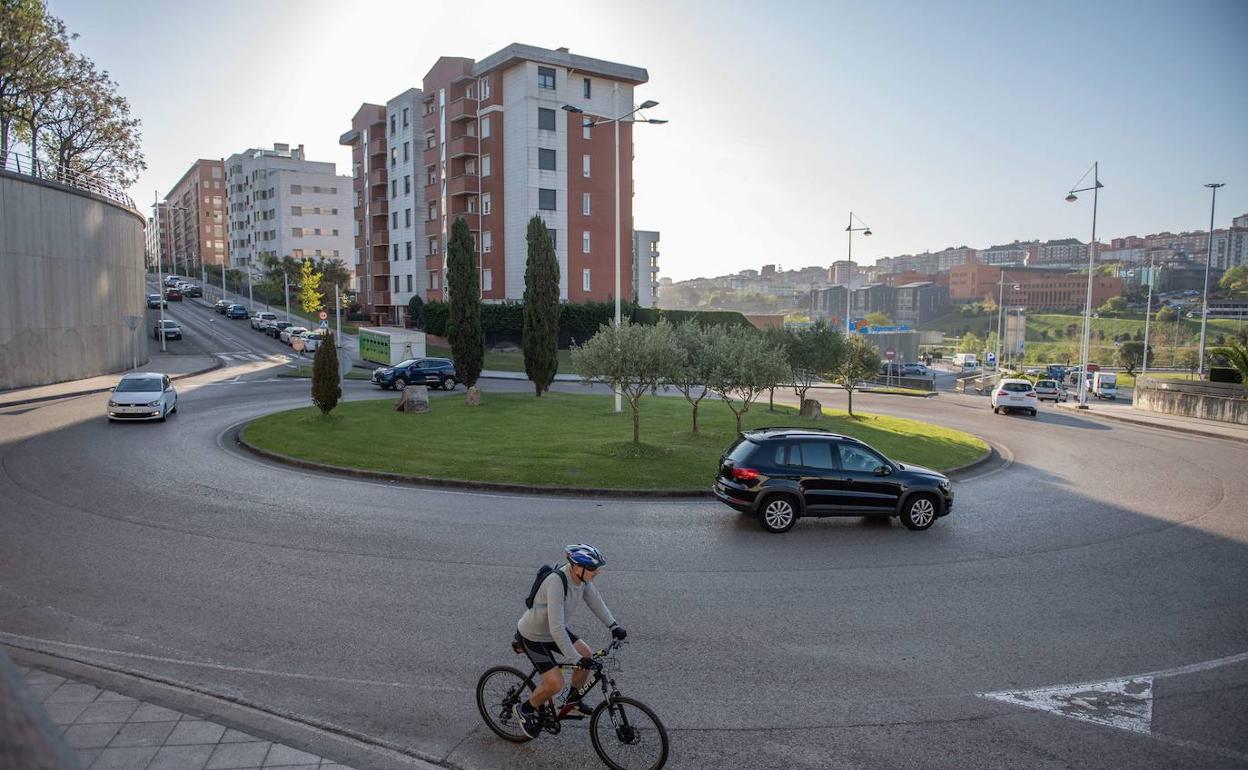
(545, 655)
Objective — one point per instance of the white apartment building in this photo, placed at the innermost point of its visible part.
(281, 204)
(646, 267)
(406, 197)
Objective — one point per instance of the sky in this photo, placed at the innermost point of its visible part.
(937, 123)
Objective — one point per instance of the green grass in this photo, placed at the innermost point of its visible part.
(505, 362)
(569, 440)
(305, 370)
(1128, 381)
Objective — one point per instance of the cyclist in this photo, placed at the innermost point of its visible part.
(544, 632)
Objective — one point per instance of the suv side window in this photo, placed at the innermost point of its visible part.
(817, 455)
(859, 458)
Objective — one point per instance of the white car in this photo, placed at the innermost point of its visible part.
(143, 396)
(291, 331)
(1050, 390)
(1014, 394)
(311, 340)
(262, 319)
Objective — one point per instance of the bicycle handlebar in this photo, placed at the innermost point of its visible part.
(598, 656)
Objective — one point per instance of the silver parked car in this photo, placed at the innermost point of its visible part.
(1050, 390)
(143, 396)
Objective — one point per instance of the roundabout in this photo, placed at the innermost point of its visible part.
(1092, 553)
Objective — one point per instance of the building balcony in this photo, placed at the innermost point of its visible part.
(431, 192)
(430, 156)
(381, 297)
(463, 146)
(472, 217)
(461, 109)
(380, 237)
(377, 177)
(464, 184)
(379, 207)
(429, 121)
(380, 267)
(433, 227)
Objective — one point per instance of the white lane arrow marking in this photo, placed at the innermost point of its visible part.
(1123, 703)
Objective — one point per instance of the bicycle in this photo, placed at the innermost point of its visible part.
(631, 729)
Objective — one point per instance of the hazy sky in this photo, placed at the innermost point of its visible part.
(940, 123)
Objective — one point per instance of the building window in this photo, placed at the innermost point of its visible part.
(394, 188)
(433, 248)
(485, 165)
(485, 203)
(487, 279)
(395, 250)
(485, 127)
(585, 242)
(296, 232)
(296, 211)
(546, 159)
(588, 89)
(296, 189)
(394, 220)
(396, 284)
(408, 250)
(405, 120)
(554, 238)
(433, 280)
(407, 217)
(484, 88)
(585, 166)
(585, 204)
(585, 279)
(546, 199)
(297, 253)
(407, 185)
(585, 128)
(487, 242)
(407, 151)
(433, 211)
(409, 283)
(546, 78)
(394, 156)
(545, 119)
(392, 125)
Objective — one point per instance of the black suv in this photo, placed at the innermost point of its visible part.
(417, 371)
(784, 473)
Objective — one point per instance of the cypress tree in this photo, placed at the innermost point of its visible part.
(541, 308)
(463, 329)
(325, 380)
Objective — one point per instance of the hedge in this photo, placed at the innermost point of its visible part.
(577, 321)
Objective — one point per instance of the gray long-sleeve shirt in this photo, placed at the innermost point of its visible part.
(548, 620)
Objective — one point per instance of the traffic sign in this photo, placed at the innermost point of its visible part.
(324, 323)
(322, 315)
(890, 354)
(990, 357)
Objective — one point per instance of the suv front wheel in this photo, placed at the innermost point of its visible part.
(779, 513)
(919, 513)
(448, 383)
(399, 383)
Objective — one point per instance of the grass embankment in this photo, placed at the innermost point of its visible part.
(569, 440)
(504, 362)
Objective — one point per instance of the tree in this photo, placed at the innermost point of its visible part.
(1236, 354)
(1167, 315)
(1113, 305)
(632, 358)
(541, 307)
(1189, 360)
(309, 288)
(463, 328)
(746, 364)
(33, 49)
(878, 319)
(693, 368)
(1130, 355)
(415, 311)
(334, 273)
(860, 361)
(1235, 281)
(971, 343)
(810, 353)
(326, 387)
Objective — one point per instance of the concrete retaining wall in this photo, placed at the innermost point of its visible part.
(71, 270)
(1219, 401)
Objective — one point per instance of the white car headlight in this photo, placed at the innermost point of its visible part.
(112, 403)
(154, 403)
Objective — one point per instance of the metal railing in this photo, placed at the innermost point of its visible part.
(54, 172)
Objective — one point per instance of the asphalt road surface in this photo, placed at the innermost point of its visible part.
(1086, 604)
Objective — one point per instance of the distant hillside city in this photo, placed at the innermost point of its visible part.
(916, 288)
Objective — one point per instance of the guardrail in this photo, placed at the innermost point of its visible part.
(24, 165)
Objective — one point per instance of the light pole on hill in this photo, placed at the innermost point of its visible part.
(1204, 310)
(1071, 197)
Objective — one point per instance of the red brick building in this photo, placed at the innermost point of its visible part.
(1037, 288)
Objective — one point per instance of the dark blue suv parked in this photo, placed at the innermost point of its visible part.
(435, 372)
(782, 474)
(236, 311)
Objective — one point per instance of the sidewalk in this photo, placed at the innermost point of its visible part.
(111, 731)
(176, 366)
(1124, 412)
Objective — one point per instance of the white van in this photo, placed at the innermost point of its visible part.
(1105, 385)
(966, 360)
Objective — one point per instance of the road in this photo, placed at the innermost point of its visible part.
(1093, 553)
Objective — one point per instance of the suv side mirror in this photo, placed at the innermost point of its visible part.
(883, 470)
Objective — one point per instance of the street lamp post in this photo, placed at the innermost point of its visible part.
(160, 279)
(1204, 312)
(1071, 197)
(1148, 312)
(849, 276)
(590, 123)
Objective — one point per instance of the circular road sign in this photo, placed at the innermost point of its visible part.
(322, 315)
(890, 354)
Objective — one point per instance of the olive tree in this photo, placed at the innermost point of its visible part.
(632, 358)
(812, 353)
(746, 363)
(692, 370)
(861, 361)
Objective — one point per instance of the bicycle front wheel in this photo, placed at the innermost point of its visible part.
(627, 735)
(499, 692)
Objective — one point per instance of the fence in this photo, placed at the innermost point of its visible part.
(18, 163)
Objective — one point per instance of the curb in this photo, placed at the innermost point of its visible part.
(1159, 426)
(217, 364)
(984, 459)
(477, 486)
(932, 394)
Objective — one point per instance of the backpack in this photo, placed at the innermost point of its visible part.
(542, 574)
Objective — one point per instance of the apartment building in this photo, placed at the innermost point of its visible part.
(646, 267)
(1064, 252)
(159, 239)
(1013, 254)
(370, 185)
(194, 229)
(499, 148)
(283, 205)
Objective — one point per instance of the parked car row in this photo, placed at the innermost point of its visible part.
(284, 331)
(181, 287)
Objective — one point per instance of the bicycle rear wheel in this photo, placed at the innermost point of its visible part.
(499, 692)
(627, 735)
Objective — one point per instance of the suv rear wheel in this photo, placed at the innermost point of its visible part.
(919, 513)
(779, 513)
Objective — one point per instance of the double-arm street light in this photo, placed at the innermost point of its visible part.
(590, 122)
(1087, 309)
(849, 273)
(1204, 313)
(160, 280)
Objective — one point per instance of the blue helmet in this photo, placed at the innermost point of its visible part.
(584, 555)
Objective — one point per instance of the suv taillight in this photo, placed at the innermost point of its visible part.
(744, 474)
(1002, 393)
